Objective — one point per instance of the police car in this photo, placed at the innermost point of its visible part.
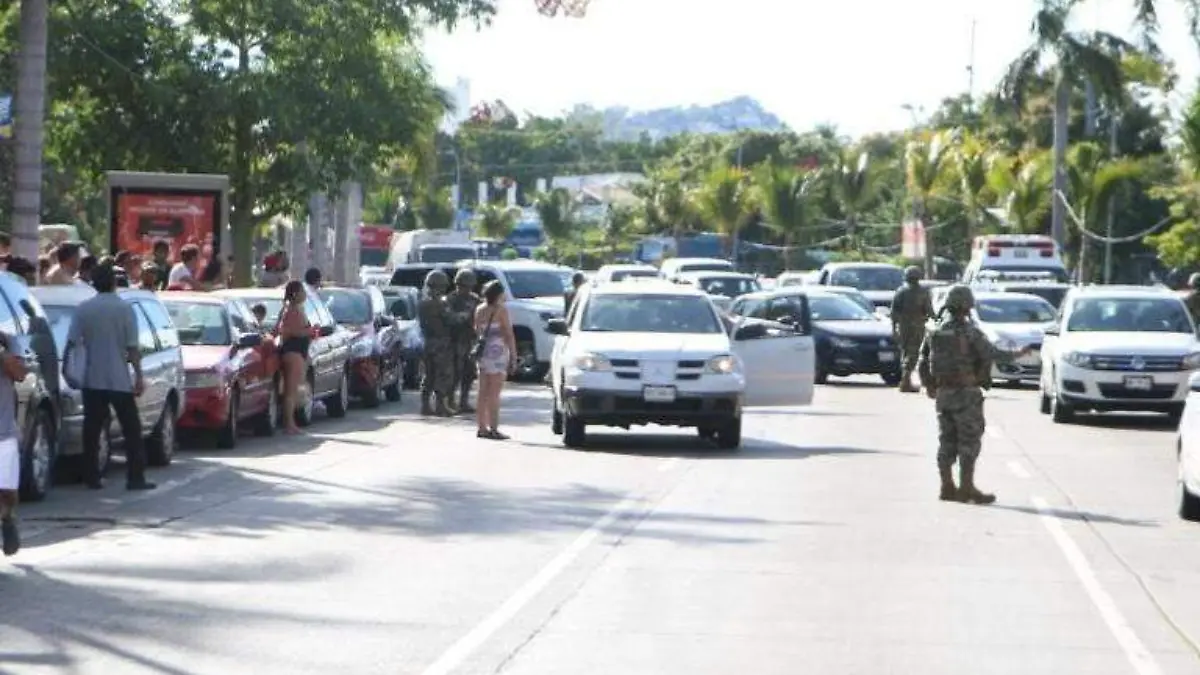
(1015, 253)
(657, 352)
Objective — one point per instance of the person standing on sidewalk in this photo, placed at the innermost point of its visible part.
(434, 317)
(463, 302)
(11, 370)
(106, 328)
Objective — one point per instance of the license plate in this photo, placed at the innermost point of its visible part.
(658, 394)
(887, 357)
(1020, 253)
(1139, 382)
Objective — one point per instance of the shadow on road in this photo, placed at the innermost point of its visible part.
(1127, 422)
(1080, 516)
(98, 616)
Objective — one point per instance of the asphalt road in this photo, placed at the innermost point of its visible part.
(389, 544)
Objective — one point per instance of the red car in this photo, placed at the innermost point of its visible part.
(231, 370)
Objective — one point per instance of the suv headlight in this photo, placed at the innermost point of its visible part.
(203, 379)
(362, 348)
(841, 342)
(1006, 344)
(1191, 361)
(592, 363)
(546, 316)
(721, 365)
(1078, 359)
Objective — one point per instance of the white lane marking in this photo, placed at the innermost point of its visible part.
(668, 464)
(1139, 657)
(994, 432)
(1018, 469)
(466, 645)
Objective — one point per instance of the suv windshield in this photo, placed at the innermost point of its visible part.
(705, 267)
(650, 314)
(399, 306)
(199, 323)
(1014, 310)
(414, 277)
(837, 308)
(1051, 294)
(729, 287)
(537, 283)
(446, 254)
(618, 275)
(1138, 315)
(347, 306)
(868, 278)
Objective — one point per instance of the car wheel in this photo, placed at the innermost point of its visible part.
(891, 379)
(1060, 411)
(706, 433)
(266, 422)
(556, 419)
(160, 448)
(820, 376)
(339, 403)
(37, 460)
(1175, 414)
(374, 397)
(574, 432)
(392, 391)
(1044, 405)
(1189, 504)
(307, 402)
(227, 434)
(528, 369)
(729, 435)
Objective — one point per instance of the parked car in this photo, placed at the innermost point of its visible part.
(849, 339)
(24, 322)
(721, 286)
(413, 274)
(402, 306)
(165, 397)
(328, 374)
(376, 360)
(231, 371)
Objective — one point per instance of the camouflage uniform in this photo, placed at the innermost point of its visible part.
(955, 367)
(434, 315)
(1193, 297)
(462, 303)
(912, 306)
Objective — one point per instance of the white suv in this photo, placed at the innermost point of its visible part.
(535, 293)
(659, 353)
(1118, 348)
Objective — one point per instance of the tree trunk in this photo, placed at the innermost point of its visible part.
(1058, 212)
(242, 223)
(29, 122)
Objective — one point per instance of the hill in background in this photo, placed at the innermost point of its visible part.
(622, 123)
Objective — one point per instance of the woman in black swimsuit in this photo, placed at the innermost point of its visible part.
(294, 336)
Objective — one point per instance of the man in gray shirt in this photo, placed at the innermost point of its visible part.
(106, 327)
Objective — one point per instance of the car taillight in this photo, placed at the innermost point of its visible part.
(993, 252)
(1047, 253)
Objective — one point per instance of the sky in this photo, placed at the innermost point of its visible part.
(855, 64)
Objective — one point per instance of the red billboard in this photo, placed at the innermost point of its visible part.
(375, 236)
(179, 218)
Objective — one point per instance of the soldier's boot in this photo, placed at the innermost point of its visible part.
(906, 383)
(967, 492)
(426, 409)
(441, 409)
(949, 492)
(464, 400)
(450, 400)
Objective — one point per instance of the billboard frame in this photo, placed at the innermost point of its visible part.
(215, 186)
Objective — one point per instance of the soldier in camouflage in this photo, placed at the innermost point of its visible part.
(955, 367)
(1193, 297)
(912, 306)
(462, 303)
(434, 316)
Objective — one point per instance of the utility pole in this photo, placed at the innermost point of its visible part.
(1113, 129)
(971, 68)
(29, 128)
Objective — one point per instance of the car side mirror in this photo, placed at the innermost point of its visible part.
(325, 331)
(249, 340)
(384, 322)
(557, 326)
(1051, 330)
(752, 331)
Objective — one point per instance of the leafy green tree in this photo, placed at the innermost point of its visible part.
(855, 183)
(724, 199)
(556, 210)
(495, 221)
(787, 198)
(617, 224)
(1023, 184)
(435, 211)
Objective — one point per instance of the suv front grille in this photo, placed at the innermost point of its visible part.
(1148, 364)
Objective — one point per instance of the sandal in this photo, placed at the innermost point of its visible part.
(497, 436)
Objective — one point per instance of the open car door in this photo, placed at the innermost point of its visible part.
(778, 362)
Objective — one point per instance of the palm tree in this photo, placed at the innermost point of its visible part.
(435, 211)
(495, 221)
(853, 181)
(786, 197)
(724, 200)
(1093, 180)
(667, 203)
(972, 162)
(556, 210)
(29, 128)
(1078, 57)
(926, 162)
(1023, 186)
(616, 226)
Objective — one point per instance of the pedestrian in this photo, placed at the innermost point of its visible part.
(104, 333)
(161, 258)
(955, 367)
(183, 275)
(312, 277)
(12, 369)
(87, 264)
(149, 279)
(433, 315)
(68, 256)
(44, 265)
(24, 269)
(275, 270)
(1192, 300)
(294, 337)
(912, 306)
(578, 279)
(260, 312)
(462, 302)
(497, 359)
(212, 277)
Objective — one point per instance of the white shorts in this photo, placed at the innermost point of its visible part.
(10, 464)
